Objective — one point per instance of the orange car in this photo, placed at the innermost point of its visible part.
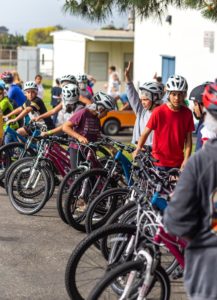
(117, 120)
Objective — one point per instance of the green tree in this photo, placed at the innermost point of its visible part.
(101, 9)
(37, 36)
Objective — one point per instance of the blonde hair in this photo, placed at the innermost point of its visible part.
(16, 77)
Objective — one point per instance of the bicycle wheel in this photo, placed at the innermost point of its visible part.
(100, 210)
(86, 264)
(10, 153)
(28, 188)
(113, 283)
(86, 188)
(63, 191)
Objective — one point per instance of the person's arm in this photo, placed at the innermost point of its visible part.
(188, 149)
(17, 111)
(131, 92)
(125, 106)
(85, 100)
(52, 131)
(21, 115)
(142, 140)
(49, 113)
(67, 128)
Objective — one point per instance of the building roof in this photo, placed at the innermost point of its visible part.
(104, 35)
(47, 46)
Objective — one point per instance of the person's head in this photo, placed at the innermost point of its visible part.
(112, 69)
(16, 77)
(176, 88)
(7, 77)
(159, 79)
(196, 96)
(150, 94)
(57, 81)
(38, 79)
(31, 90)
(210, 104)
(2, 89)
(82, 81)
(66, 79)
(102, 104)
(70, 96)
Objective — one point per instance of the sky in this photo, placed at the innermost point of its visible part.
(22, 15)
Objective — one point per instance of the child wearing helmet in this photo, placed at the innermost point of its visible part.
(172, 123)
(6, 107)
(84, 125)
(143, 104)
(33, 107)
(14, 91)
(70, 103)
(82, 84)
(192, 212)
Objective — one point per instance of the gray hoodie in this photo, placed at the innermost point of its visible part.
(192, 213)
(142, 115)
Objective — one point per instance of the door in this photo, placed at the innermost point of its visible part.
(168, 67)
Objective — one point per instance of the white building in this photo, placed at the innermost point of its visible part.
(92, 52)
(186, 46)
(46, 59)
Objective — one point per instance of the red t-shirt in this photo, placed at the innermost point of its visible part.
(86, 124)
(170, 132)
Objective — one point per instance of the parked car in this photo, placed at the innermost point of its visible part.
(117, 120)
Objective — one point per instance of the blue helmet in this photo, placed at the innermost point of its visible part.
(2, 84)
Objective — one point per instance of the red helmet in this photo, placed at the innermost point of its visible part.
(7, 77)
(210, 99)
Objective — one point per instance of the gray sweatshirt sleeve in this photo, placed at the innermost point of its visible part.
(181, 216)
(133, 98)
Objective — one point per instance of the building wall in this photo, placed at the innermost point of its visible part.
(46, 61)
(184, 39)
(116, 51)
(69, 53)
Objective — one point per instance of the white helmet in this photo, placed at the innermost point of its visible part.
(104, 100)
(70, 93)
(30, 85)
(69, 78)
(156, 90)
(177, 83)
(82, 78)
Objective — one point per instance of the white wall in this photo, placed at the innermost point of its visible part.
(69, 53)
(46, 66)
(27, 62)
(184, 39)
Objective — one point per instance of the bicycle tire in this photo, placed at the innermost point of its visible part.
(102, 201)
(26, 205)
(85, 249)
(114, 276)
(90, 184)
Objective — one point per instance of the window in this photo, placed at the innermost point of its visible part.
(128, 57)
(98, 65)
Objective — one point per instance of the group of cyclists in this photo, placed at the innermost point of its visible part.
(167, 127)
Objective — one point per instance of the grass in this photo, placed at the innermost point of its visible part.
(47, 84)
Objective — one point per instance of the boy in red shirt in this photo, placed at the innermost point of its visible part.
(173, 124)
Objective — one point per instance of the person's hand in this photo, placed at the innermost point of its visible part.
(183, 165)
(10, 121)
(155, 75)
(135, 153)
(82, 139)
(127, 72)
(44, 133)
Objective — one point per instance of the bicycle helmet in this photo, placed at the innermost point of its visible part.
(210, 99)
(177, 83)
(69, 78)
(7, 77)
(82, 78)
(30, 85)
(156, 90)
(104, 100)
(197, 93)
(70, 93)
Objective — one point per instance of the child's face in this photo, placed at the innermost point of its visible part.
(177, 98)
(38, 80)
(197, 109)
(31, 94)
(146, 103)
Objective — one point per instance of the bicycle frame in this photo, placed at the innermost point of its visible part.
(18, 137)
